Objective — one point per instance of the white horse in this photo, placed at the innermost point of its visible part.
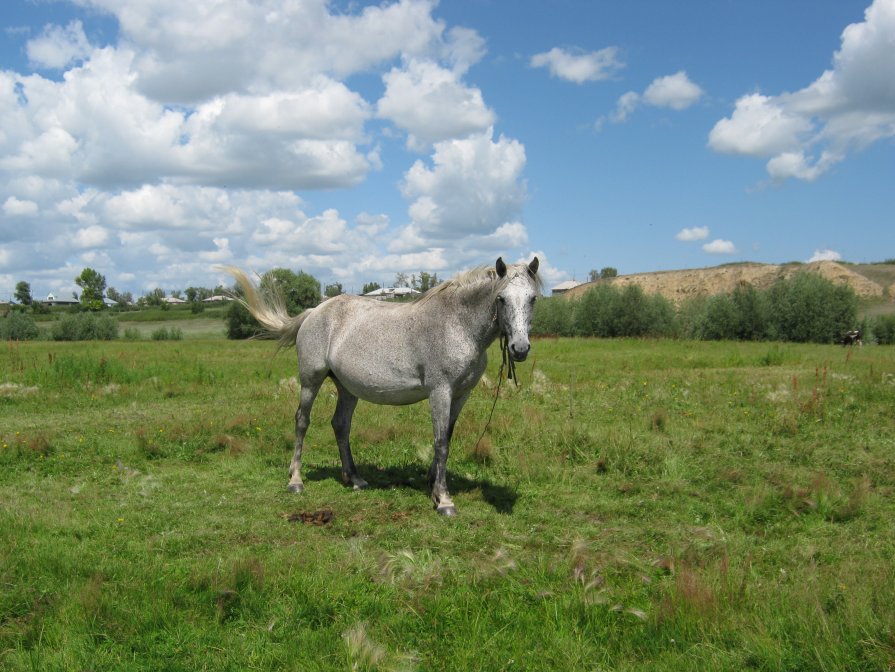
(400, 353)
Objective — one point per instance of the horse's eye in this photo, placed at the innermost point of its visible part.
(532, 300)
(501, 299)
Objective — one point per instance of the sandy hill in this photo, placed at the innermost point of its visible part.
(870, 281)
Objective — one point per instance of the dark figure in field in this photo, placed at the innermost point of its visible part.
(852, 337)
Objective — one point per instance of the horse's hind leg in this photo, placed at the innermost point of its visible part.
(341, 423)
(309, 389)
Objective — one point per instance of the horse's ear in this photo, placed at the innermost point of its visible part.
(501, 267)
(533, 266)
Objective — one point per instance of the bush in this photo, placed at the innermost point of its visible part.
(718, 320)
(240, 323)
(132, 334)
(167, 334)
(553, 317)
(808, 308)
(85, 327)
(607, 312)
(18, 326)
(883, 329)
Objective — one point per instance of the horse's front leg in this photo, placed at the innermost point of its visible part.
(445, 411)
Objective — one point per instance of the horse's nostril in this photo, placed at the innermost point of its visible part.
(519, 350)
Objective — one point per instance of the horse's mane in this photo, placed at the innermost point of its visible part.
(478, 277)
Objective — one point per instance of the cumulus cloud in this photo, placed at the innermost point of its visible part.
(693, 234)
(182, 141)
(14, 207)
(431, 104)
(472, 187)
(675, 91)
(719, 246)
(846, 109)
(92, 236)
(577, 66)
(57, 47)
(825, 255)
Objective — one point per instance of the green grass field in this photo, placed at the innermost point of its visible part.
(634, 505)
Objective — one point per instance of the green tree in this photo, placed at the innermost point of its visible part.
(299, 290)
(594, 312)
(23, 293)
(809, 308)
(197, 293)
(427, 281)
(608, 272)
(92, 285)
(113, 294)
(371, 287)
(153, 298)
(719, 319)
(751, 321)
(333, 290)
(883, 328)
(553, 317)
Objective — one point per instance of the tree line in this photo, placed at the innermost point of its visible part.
(803, 308)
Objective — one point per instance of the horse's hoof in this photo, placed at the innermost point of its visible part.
(355, 481)
(296, 487)
(448, 510)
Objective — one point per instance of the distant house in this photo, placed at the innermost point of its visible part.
(53, 301)
(384, 293)
(173, 299)
(563, 287)
(217, 297)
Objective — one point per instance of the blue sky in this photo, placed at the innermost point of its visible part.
(356, 140)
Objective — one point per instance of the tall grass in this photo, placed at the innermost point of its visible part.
(703, 506)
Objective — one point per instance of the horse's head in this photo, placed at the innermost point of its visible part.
(515, 304)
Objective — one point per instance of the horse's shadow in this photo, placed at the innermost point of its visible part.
(502, 498)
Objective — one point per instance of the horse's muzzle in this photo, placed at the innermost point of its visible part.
(519, 352)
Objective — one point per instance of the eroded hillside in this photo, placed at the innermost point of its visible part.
(870, 281)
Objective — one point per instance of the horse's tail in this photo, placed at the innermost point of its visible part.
(269, 309)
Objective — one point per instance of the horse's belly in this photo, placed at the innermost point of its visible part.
(386, 386)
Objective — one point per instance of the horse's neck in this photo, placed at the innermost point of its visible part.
(481, 316)
(474, 309)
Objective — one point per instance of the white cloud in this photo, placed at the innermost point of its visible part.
(846, 109)
(577, 66)
(825, 255)
(91, 236)
(220, 254)
(759, 126)
(672, 91)
(692, 234)
(431, 104)
(675, 91)
(626, 104)
(14, 207)
(182, 141)
(473, 187)
(719, 246)
(57, 47)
